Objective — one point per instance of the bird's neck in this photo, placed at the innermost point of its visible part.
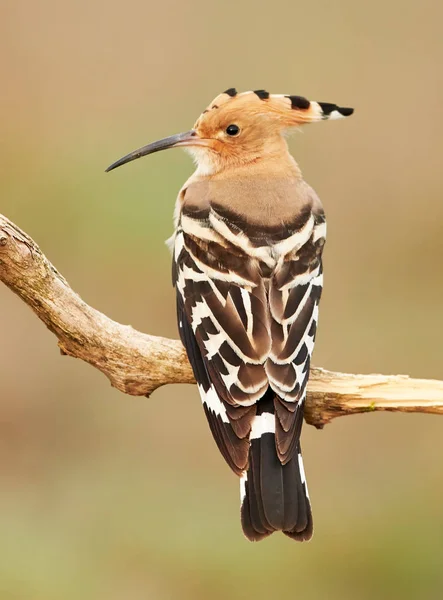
(277, 164)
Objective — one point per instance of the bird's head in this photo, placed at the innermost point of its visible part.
(238, 129)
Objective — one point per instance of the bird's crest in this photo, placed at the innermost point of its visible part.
(288, 110)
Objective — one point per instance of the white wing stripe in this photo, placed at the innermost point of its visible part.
(213, 402)
(290, 320)
(295, 241)
(200, 311)
(240, 240)
(212, 345)
(319, 231)
(305, 338)
(301, 279)
(248, 309)
(198, 229)
(231, 277)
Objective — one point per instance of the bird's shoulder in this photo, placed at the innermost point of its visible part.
(266, 210)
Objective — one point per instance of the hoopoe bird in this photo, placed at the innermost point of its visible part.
(247, 270)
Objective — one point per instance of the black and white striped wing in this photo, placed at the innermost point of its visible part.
(224, 325)
(294, 295)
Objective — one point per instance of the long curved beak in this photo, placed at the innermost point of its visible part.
(189, 138)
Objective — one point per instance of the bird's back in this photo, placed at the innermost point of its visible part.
(247, 268)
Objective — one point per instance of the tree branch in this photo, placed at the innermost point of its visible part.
(137, 363)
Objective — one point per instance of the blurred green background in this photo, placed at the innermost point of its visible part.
(104, 496)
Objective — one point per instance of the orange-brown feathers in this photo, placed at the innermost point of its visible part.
(261, 119)
(238, 130)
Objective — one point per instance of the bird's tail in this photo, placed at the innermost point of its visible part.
(274, 497)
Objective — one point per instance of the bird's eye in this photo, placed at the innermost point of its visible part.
(232, 130)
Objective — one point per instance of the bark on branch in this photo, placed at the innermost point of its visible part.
(137, 363)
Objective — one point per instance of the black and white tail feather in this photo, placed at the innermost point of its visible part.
(273, 496)
(247, 307)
